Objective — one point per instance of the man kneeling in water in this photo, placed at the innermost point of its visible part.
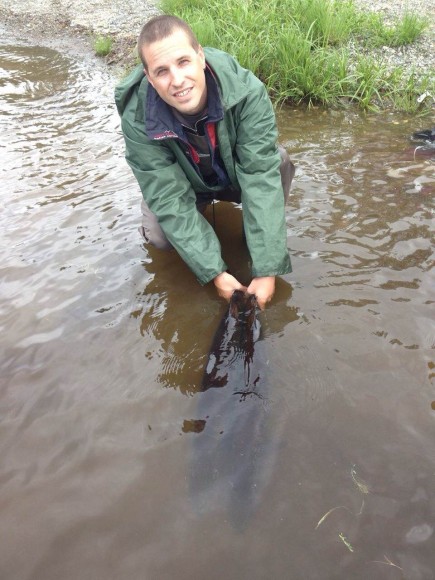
(199, 127)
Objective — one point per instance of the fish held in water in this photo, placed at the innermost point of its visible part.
(229, 460)
(231, 357)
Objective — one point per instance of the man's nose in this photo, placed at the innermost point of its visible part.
(177, 76)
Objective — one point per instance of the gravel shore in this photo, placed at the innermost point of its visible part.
(63, 20)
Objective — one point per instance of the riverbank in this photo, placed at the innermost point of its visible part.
(76, 23)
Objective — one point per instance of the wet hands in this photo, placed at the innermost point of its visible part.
(263, 288)
(226, 284)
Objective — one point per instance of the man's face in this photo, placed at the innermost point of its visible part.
(176, 71)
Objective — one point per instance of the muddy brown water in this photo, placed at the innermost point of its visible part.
(103, 344)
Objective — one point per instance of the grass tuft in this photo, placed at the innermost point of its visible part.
(103, 45)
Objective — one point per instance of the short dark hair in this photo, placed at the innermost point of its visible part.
(161, 27)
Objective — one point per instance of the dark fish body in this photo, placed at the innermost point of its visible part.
(231, 357)
(228, 463)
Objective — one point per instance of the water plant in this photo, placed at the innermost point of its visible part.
(312, 51)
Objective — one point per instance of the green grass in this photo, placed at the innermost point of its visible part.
(301, 49)
(103, 45)
(405, 31)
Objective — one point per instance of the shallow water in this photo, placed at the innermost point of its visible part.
(104, 343)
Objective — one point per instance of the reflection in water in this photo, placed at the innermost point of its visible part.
(96, 450)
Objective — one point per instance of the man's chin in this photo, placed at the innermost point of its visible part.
(187, 108)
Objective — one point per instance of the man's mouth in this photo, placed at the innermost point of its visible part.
(182, 93)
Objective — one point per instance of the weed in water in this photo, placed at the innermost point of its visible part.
(322, 519)
(345, 542)
(388, 562)
(361, 485)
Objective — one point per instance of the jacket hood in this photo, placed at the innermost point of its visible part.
(126, 88)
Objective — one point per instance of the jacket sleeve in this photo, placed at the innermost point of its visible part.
(257, 168)
(170, 197)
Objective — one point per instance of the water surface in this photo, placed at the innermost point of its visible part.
(104, 343)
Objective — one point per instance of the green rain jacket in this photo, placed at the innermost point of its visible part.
(247, 137)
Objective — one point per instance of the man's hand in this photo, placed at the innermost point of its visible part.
(263, 288)
(226, 284)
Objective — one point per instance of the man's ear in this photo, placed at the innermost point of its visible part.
(148, 77)
(202, 56)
